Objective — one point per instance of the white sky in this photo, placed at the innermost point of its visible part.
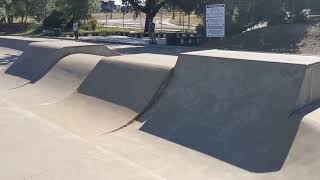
(118, 2)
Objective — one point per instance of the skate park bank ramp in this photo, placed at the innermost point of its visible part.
(117, 90)
(39, 57)
(61, 81)
(18, 43)
(238, 107)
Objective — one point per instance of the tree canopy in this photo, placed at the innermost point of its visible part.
(149, 7)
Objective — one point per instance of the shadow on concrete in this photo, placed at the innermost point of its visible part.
(295, 117)
(8, 59)
(14, 43)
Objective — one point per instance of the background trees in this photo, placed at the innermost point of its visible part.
(149, 7)
(240, 14)
(244, 14)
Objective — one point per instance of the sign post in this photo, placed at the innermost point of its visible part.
(215, 20)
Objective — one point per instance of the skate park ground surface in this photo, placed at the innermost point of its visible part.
(40, 139)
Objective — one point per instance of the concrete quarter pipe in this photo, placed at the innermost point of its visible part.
(236, 106)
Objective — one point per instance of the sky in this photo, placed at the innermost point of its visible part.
(118, 2)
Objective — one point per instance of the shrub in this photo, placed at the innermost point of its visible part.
(93, 24)
(57, 19)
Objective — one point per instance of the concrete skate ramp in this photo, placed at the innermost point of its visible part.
(61, 81)
(7, 57)
(115, 93)
(14, 43)
(38, 58)
(236, 106)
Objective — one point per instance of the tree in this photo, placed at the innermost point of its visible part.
(39, 9)
(188, 6)
(244, 14)
(3, 10)
(149, 7)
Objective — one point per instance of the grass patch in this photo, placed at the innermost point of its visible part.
(110, 29)
(31, 30)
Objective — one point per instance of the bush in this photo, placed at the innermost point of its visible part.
(57, 19)
(93, 24)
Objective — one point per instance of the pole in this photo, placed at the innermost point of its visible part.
(161, 18)
(111, 6)
(123, 20)
(189, 22)
(183, 22)
(106, 20)
(140, 20)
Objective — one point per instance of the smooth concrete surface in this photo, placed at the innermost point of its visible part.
(44, 132)
(115, 93)
(172, 161)
(33, 148)
(7, 57)
(38, 58)
(60, 82)
(233, 109)
(32, 67)
(17, 43)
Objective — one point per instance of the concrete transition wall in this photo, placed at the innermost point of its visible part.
(39, 57)
(116, 91)
(236, 106)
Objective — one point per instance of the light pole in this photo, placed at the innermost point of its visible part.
(111, 7)
(106, 20)
(161, 18)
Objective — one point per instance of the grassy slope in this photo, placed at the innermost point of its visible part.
(302, 38)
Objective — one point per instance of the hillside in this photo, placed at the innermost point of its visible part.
(301, 38)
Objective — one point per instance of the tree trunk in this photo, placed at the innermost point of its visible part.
(173, 14)
(22, 19)
(149, 19)
(180, 13)
(189, 19)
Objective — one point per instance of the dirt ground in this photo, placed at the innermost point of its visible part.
(301, 38)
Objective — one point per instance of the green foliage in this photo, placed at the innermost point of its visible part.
(149, 7)
(39, 9)
(93, 24)
(80, 9)
(244, 14)
(188, 6)
(3, 5)
(57, 19)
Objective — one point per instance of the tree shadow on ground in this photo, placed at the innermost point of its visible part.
(8, 59)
